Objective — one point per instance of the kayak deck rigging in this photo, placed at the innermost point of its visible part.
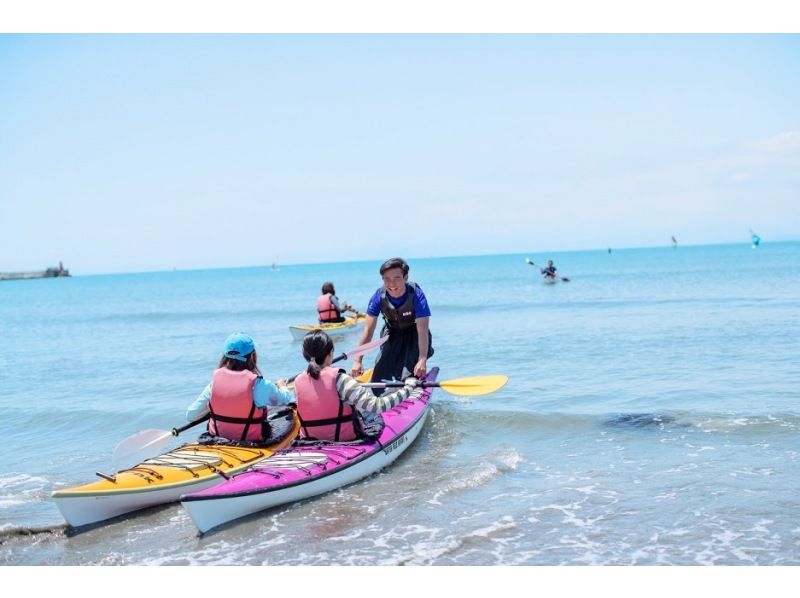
(280, 463)
(191, 459)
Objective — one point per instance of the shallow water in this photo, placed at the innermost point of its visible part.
(651, 416)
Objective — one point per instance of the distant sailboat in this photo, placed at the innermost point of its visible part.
(755, 239)
(674, 242)
(276, 264)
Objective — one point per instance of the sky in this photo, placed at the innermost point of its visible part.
(125, 153)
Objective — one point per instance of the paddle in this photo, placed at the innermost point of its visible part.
(473, 386)
(148, 443)
(530, 262)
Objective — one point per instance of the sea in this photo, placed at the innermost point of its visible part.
(651, 415)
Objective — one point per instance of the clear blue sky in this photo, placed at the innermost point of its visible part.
(147, 152)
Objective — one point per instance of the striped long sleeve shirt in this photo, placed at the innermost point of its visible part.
(363, 399)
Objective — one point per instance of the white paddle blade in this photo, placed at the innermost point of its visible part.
(139, 447)
(366, 348)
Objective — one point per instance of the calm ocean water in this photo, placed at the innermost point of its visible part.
(652, 414)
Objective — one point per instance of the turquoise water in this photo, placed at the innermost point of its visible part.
(651, 416)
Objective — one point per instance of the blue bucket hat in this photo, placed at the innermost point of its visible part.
(238, 346)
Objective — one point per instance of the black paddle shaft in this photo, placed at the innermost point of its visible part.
(422, 383)
(176, 431)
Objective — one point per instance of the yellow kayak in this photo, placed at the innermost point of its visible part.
(163, 479)
(339, 328)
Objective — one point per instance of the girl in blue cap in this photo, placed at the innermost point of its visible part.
(238, 397)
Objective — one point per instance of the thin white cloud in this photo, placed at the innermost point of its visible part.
(787, 141)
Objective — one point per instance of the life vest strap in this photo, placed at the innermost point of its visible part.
(236, 420)
(326, 422)
(330, 421)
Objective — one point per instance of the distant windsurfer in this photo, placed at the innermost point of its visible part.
(756, 240)
(674, 242)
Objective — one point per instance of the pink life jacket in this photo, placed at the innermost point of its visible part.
(326, 309)
(233, 414)
(322, 414)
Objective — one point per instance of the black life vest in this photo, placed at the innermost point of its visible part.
(403, 317)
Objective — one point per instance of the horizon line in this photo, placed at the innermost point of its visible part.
(789, 239)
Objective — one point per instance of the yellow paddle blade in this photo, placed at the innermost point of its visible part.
(366, 376)
(474, 386)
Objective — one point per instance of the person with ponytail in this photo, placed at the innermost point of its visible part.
(328, 399)
(238, 397)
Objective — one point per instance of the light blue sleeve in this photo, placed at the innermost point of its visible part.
(200, 406)
(266, 394)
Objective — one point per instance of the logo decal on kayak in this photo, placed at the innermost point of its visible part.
(293, 460)
(399, 442)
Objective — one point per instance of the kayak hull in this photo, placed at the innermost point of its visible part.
(549, 279)
(160, 480)
(350, 323)
(308, 470)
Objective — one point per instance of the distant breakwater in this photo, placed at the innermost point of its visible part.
(49, 273)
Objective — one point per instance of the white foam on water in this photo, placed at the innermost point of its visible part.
(470, 478)
(433, 548)
(353, 535)
(19, 489)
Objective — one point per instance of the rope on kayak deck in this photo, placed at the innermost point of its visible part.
(255, 454)
(145, 473)
(188, 459)
(291, 459)
(137, 471)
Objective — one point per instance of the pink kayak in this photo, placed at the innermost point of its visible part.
(309, 469)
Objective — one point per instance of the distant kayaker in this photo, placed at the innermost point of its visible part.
(406, 314)
(329, 401)
(238, 396)
(550, 270)
(329, 306)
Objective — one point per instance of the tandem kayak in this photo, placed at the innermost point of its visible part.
(165, 478)
(310, 468)
(339, 328)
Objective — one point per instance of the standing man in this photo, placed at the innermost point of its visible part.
(405, 313)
